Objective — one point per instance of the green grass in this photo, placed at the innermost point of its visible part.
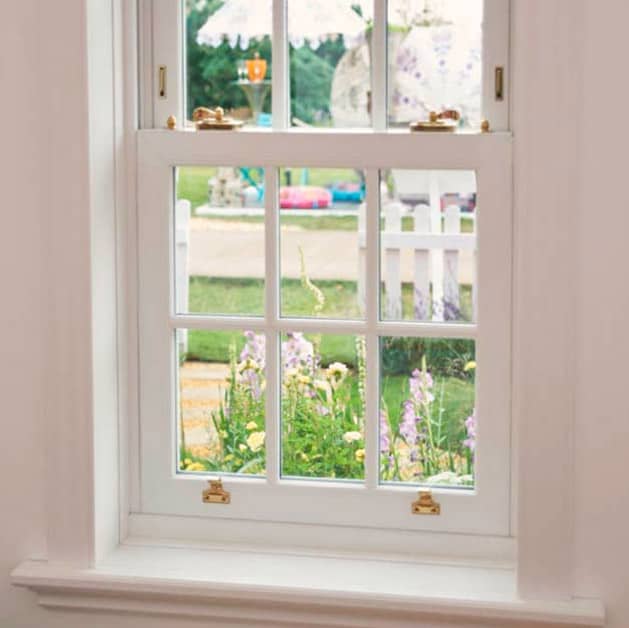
(246, 297)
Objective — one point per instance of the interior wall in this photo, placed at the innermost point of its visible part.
(601, 500)
(601, 505)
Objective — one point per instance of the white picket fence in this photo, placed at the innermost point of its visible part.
(436, 242)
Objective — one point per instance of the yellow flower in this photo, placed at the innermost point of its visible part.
(350, 437)
(252, 425)
(303, 456)
(470, 366)
(242, 447)
(195, 466)
(360, 455)
(304, 379)
(247, 365)
(187, 461)
(255, 440)
(223, 434)
(228, 457)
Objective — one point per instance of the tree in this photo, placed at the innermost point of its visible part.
(211, 72)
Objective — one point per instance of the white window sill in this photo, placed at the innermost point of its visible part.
(290, 589)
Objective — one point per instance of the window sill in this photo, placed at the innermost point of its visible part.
(290, 589)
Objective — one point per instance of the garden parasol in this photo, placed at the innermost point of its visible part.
(309, 21)
(436, 65)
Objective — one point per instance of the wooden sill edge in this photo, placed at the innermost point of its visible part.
(61, 586)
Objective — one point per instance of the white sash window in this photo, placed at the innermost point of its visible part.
(324, 306)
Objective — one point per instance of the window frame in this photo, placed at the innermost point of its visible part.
(162, 24)
(486, 510)
(159, 152)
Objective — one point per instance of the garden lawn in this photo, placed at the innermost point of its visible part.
(246, 297)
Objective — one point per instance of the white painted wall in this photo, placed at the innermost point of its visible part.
(601, 500)
(602, 435)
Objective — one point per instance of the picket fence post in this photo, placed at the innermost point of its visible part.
(451, 304)
(393, 262)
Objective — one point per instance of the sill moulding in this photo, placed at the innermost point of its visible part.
(260, 589)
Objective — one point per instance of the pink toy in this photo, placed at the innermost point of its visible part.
(304, 197)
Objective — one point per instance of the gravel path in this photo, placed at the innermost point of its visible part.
(220, 248)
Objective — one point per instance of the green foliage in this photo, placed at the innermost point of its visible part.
(311, 76)
(323, 421)
(239, 422)
(323, 418)
(447, 357)
(212, 71)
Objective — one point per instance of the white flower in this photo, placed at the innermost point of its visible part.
(255, 440)
(337, 370)
(350, 437)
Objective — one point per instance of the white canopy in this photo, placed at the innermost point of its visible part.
(309, 21)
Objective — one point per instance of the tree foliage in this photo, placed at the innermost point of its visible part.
(211, 72)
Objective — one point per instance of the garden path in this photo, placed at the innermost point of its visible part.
(202, 386)
(220, 248)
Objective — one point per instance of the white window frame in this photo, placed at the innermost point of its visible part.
(486, 509)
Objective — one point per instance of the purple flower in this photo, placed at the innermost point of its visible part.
(254, 348)
(408, 426)
(470, 426)
(420, 384)
(385, 443)
(298, 351)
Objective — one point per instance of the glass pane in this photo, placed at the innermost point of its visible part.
(428, 245)
(322, 242)
(323, 406)
(228, 58)
(427, 415)
(329, 63)
(435, 59)
(221, 391)
(219, 241)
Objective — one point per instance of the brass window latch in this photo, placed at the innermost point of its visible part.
(216, 494)
(426, 505)
(162, 72)
(444, 122)
(206, 119)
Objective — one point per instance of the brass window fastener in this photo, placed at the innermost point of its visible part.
(216, 494)
(426, 505)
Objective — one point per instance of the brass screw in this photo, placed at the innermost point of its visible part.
(485, 127)
(218, 114)
(434, 116)
(171, 123)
